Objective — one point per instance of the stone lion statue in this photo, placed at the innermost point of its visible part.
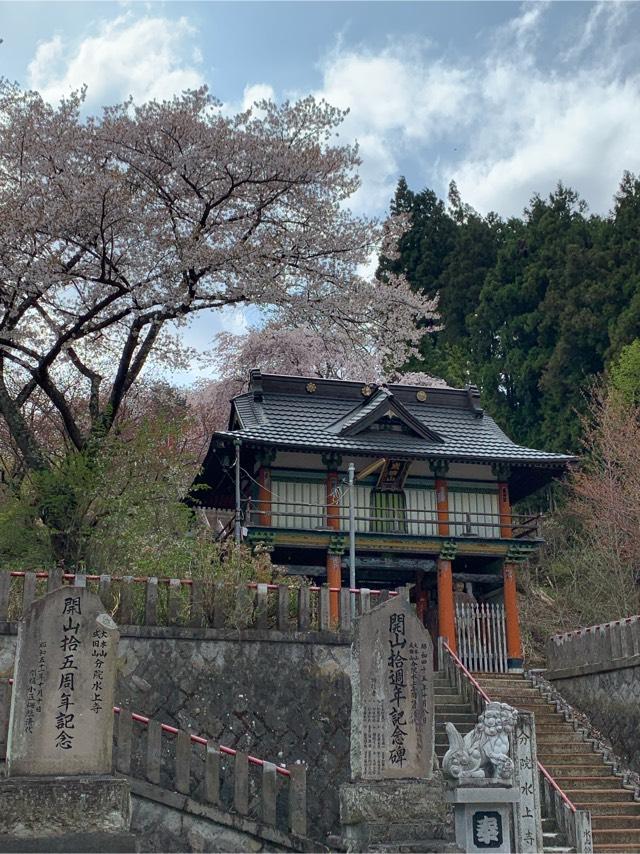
(483, 752)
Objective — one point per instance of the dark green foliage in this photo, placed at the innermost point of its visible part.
(532, 308)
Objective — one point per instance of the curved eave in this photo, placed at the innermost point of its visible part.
(560, 461)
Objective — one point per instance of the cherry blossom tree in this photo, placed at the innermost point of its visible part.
(113, 229)
(299, 351)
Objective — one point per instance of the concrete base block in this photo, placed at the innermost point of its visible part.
(394, 811)
(71, 843)
(483, 816)
(61, 805)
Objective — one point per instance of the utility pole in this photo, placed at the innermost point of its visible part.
(352, 540)
(238, 520)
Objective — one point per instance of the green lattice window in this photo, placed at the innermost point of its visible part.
(388, 512)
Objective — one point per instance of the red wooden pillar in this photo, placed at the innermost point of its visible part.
(514, 641)
(422, 596)
(442, 503)
(504, 508)
(334, 556)
(264, 496)
(264, 458)
(510, 591)
(446, 610)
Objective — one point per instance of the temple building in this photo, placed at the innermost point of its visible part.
(434, 480)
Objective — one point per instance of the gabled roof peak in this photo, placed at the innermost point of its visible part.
(382, 404)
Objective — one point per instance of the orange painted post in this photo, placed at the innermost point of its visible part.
(446, 613)
(334, 561)
(264, 496)
(514, 642)
(442, 502)
(422, 596)
(504, 508)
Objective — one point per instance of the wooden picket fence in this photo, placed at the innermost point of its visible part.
(199, 603)
(179, 761)
(228, 779)
(481, 637)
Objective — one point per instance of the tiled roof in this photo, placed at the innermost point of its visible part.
(294, 420)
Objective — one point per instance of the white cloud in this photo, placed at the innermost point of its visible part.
(257, 92)
(582, 130)
(144, 57)
(396, 102)
(517, 125)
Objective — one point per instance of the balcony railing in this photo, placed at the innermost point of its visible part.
(397, 520)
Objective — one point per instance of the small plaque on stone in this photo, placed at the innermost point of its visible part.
(392, 717)
(61, 720)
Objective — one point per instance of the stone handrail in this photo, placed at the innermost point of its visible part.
(574, 824)
(150, 601)
(585, 649)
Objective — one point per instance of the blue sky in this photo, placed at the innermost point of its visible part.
(505, 98)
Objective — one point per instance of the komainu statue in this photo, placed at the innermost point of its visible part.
(483, 752)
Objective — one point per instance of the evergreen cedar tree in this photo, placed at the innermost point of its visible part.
(114, 228)
(532, 308)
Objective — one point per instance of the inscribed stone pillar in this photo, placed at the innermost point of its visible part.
(61, 720)
(528, 821)
(392, 717)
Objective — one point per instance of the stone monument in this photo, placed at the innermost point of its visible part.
(59, 744)
(392, 718)
(393, 795)
(480, 773)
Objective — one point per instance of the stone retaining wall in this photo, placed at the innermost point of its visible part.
(597, 670)
(282, 697)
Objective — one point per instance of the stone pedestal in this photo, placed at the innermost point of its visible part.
(396, 812)
(65, 814)
(483, 817)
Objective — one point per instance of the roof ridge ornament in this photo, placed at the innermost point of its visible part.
(473, 396)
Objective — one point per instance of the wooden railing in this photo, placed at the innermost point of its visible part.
(481, 636)
(574, 824)
(394, 520)
(197, 767)
(212, 773)
(197, 603)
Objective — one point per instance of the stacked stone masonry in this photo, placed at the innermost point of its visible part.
(282, 697)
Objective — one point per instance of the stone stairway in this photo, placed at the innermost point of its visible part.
(582, 774)
(450, 706)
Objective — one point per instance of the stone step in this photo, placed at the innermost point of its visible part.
(598, 795)
(619, 836)
(612, 808)
(608, 848)
(548, 716)
(552, 746)
(571, 760)
(567, 771)
(416, 845)
(560, 736)
(517, 691)
(447, 697)
(456, 716)
(587, 782)
(557, 849)
(615, 822)
(443, 709)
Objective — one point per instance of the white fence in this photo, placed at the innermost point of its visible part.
(481, 636)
